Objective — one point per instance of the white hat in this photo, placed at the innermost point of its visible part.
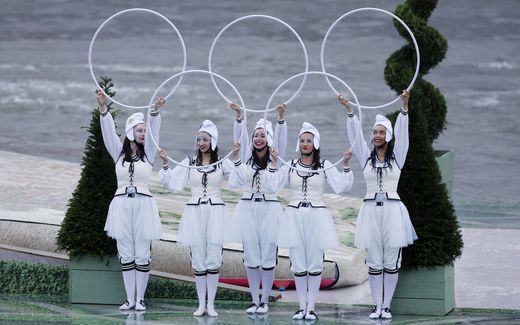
(307, 127)
(381, 120)
(211, 129)
(131, 122)
(268, 127)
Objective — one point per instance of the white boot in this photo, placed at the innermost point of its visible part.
(129, 282)
(212, 292)
(390, 283)
(301, 290)
(142, 282)
(201, 284)
(267, 285)
(314, 288)
(376, 289)
(253, 278)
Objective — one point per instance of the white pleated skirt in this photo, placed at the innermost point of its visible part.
(205, 223)
(391, 220)
(139, 213)
(252, 220)
(307, 226)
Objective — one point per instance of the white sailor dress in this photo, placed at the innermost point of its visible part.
(381, 197)
(200, 225)
(306, 218)
(133, 206)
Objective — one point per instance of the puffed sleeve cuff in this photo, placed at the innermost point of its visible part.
(154, 112)
(404, 112)
(346, 169)
(272, 170)
(165, 166)
(104, 113)
(239, 120)
(281, 121)
(350, 114)
(238, 163)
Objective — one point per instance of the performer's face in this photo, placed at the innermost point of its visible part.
(259, 138)
(379, 135)
(204, 142)
(139, 132)
(306, 143)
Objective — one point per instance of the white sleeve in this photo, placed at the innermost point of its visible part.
(238, 177)
(401, 139)
(150, 148)
(355, 136)
(175, 179)
(339, 182)
(110, 137)
(229, 171)
(280, 140)
(274, 180)
(240, 136)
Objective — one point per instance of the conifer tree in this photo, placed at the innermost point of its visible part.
(420, 186)
(82, 228)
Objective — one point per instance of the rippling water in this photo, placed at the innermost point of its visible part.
(46, 91)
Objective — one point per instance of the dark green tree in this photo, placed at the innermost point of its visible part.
(420, 187)
(82, 229)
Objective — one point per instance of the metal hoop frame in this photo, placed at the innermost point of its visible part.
(91, 46)
(417, 54)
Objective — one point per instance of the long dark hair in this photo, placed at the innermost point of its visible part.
(127, 151)
(389, 155)
(213, 156)
(260, 162)
(316, 160)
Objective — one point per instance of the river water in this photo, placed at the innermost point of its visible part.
(46, 91)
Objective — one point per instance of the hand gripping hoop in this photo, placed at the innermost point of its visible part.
(99, 30)
(417, 54)
(210, 57)
(180, 74)
(327, 75)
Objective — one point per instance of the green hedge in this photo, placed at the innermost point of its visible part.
(22, 277)
(37, 278)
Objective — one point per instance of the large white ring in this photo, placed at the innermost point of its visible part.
(327, 75)
(180, 74)
(210, 57)
(417, 54)
(99, 30)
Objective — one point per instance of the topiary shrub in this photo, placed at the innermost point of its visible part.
(82, 228)
(420, 187)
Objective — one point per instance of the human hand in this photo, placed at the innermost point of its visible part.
(235, 107)
(281, 111)
(346, 157)
(164, 156)
(159, 102)
(102, 100)
(236, 151)
(345, 102)
(405, 96)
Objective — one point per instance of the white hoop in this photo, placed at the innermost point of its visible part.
(417, 54)
(180, 74)
(210, 57)
(327, 75)
(99, 30)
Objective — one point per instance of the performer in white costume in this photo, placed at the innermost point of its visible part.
(308, 228)
(133, 218)
(258, 210)
(383, 225)
(205, 218)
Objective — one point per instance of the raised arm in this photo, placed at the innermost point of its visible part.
(401, 131)
(355, 133)
(108, 128)
(174, 179)
(340, 182)
(154, 117)
(240, 134)
(280, 133)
